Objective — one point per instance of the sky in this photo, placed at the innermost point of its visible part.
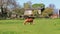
(46, 2)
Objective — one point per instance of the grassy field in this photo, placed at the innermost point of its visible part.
(41, 26)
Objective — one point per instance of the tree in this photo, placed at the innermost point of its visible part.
(19, 11)
(27, 5)
(5, 5)
(47, 12)
(52, 6)
(38, 5)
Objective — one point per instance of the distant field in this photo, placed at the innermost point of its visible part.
(41, 26)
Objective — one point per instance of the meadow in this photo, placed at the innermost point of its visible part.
(41, 26)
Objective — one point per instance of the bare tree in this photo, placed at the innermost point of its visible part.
(7, 4)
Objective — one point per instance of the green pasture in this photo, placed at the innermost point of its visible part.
(41, 26)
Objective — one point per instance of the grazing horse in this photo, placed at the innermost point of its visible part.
(29, 20)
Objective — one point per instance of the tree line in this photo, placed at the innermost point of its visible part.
(11, 6)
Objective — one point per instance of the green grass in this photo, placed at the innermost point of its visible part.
(41, 26)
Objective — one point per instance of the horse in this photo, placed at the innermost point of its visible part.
(29, 20)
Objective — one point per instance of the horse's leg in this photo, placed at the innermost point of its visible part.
(25, 22)
(32, 22)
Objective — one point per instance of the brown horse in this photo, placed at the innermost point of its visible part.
(29, 20)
